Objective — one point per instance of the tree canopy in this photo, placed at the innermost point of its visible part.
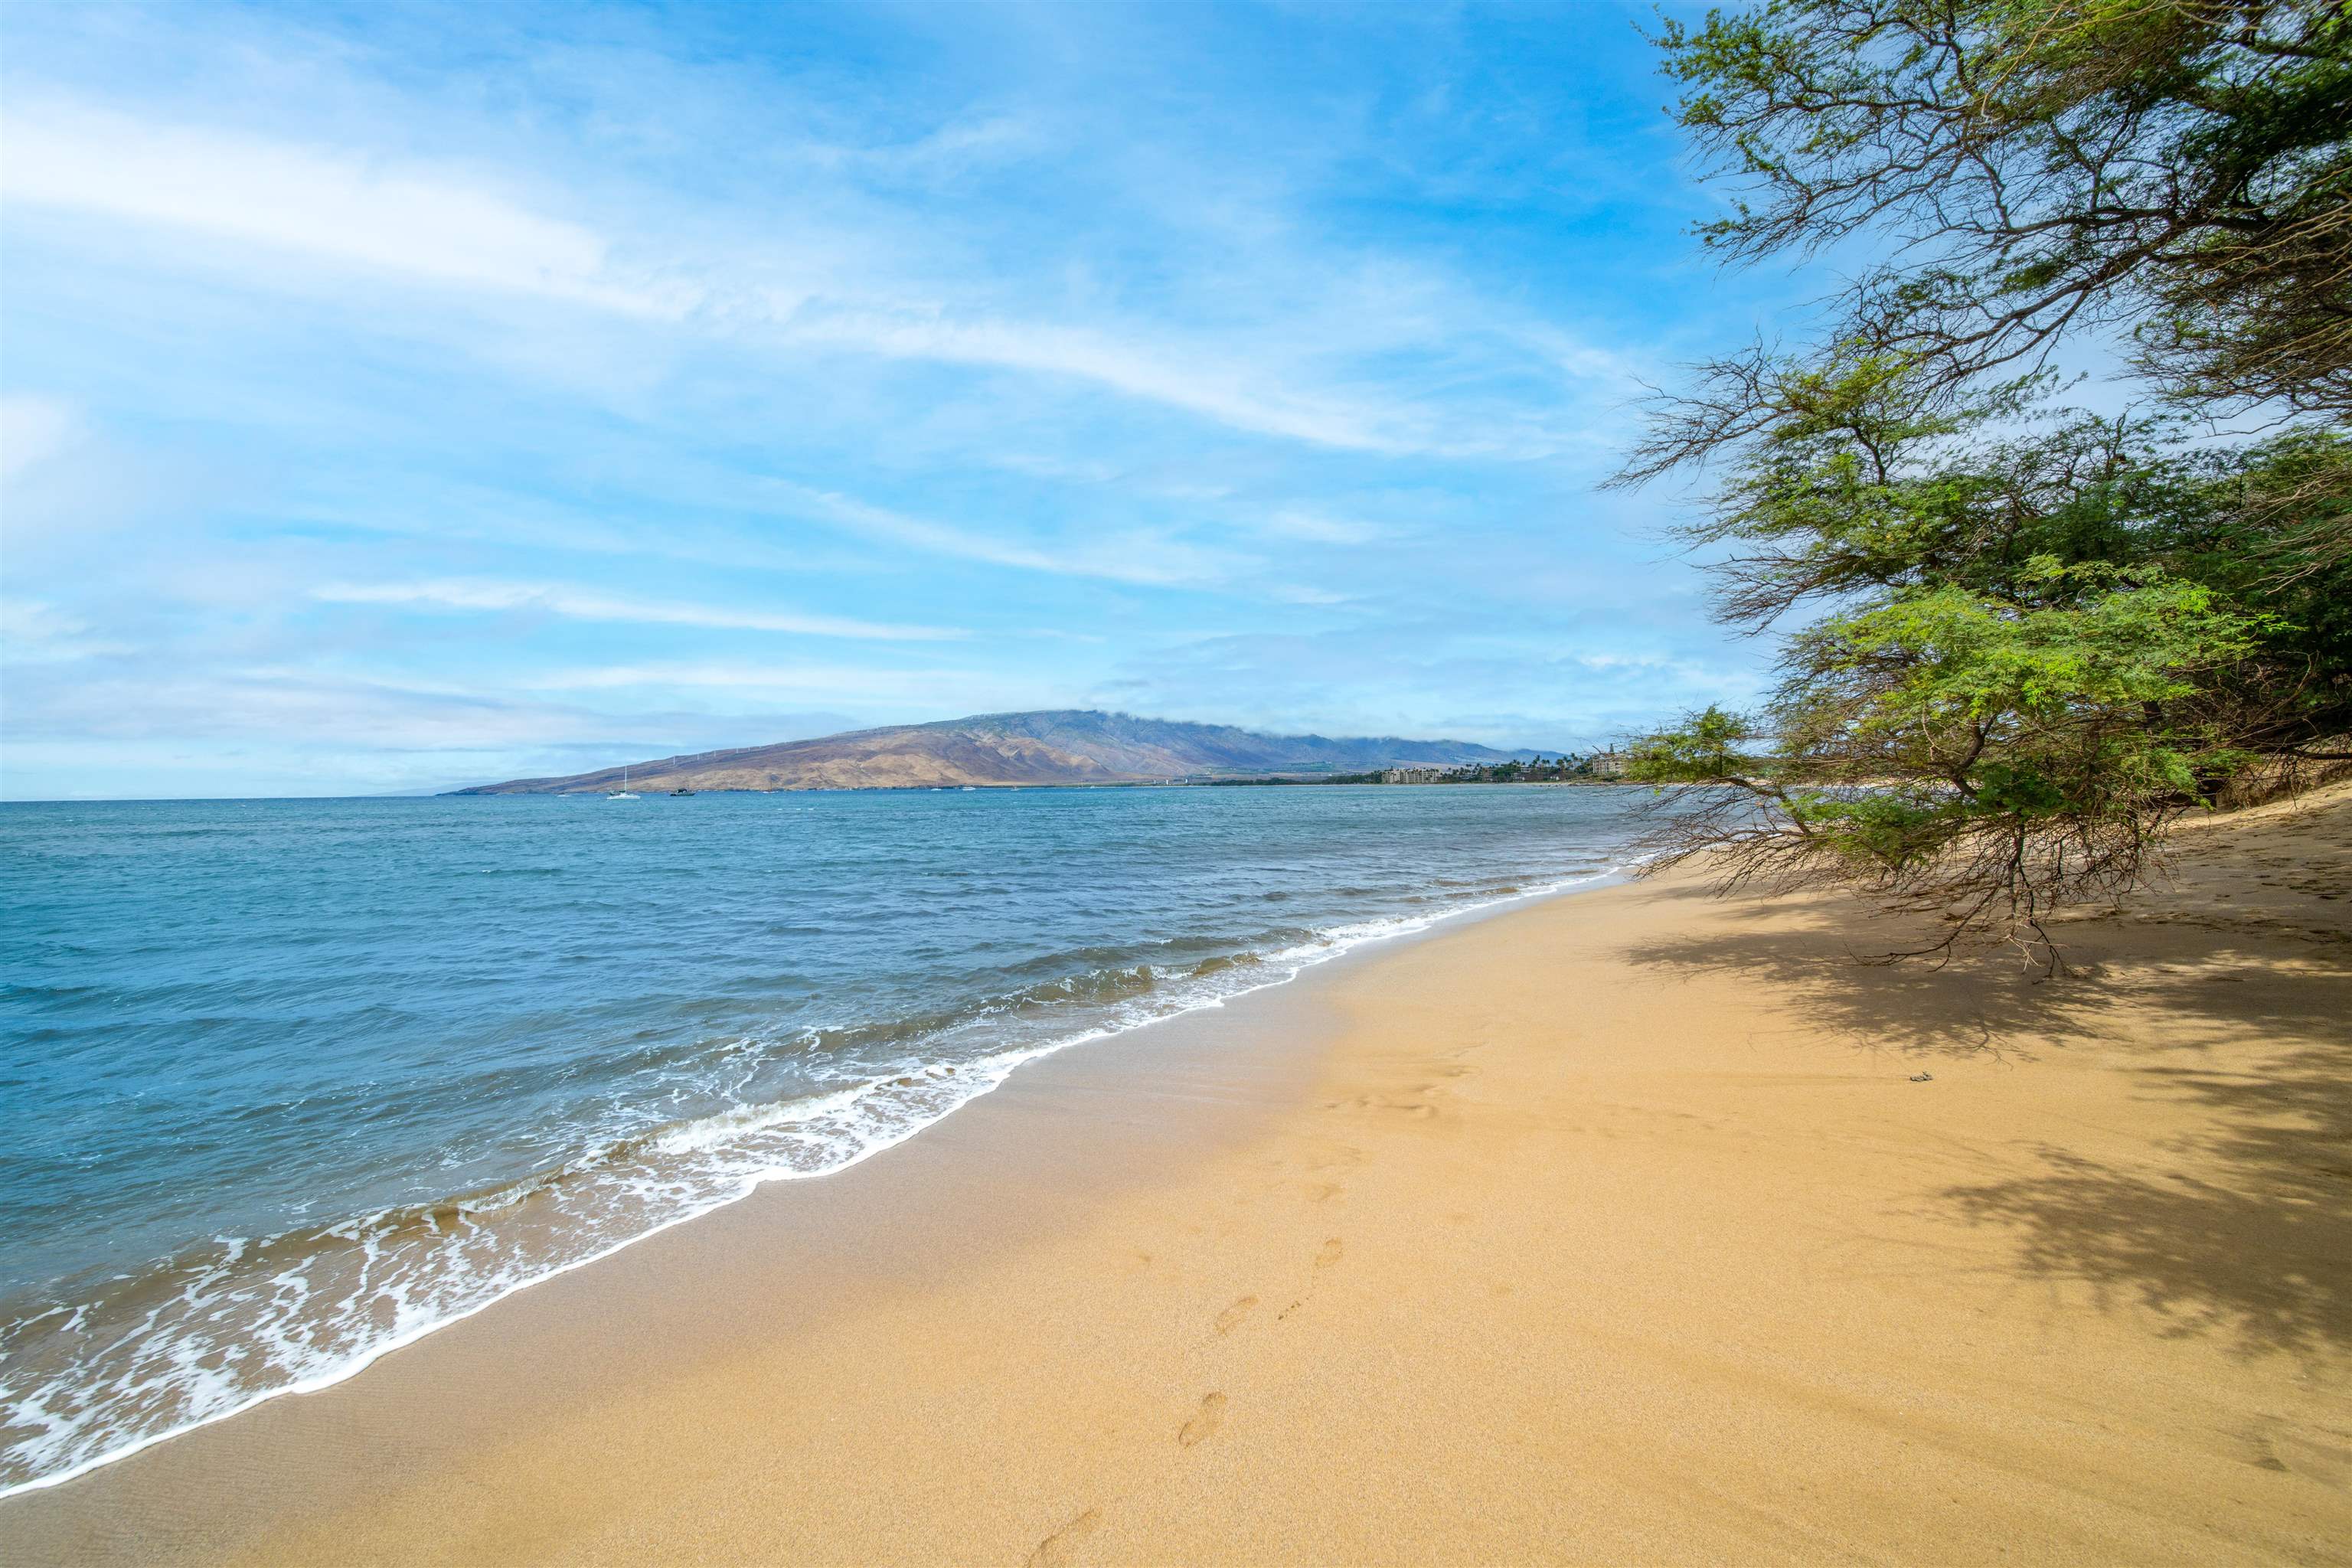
(2017, 639)
(2176, 167)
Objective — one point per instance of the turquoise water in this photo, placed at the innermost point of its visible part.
(288, 1083)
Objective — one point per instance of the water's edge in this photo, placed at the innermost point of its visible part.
(1000, 1068)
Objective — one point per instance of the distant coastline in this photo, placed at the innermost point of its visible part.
(1063, 746)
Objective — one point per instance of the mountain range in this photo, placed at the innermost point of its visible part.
(1067, 746)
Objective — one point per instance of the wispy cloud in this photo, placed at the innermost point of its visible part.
(34, 632)
(1203, 382)
(1307, 593)
(33, 430)
(1133, 557)
(317, 201)
(468, 228)
(483, 595)
(362, 372)
(949, 149)
(930, 693)
(1319, 528)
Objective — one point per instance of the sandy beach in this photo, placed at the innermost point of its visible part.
(1628, 1226)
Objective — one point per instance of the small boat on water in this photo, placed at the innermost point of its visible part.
(625, 791)
(681, 790)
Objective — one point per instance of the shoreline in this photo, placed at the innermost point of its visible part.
(1613, 1228)
(976, 786)
(1333, 946)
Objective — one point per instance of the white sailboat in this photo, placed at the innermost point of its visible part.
(625, 791)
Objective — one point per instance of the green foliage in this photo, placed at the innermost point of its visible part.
(2075, 706)
(1704, 750)
(2038, 635)
(2183, 167)
(2036, 639)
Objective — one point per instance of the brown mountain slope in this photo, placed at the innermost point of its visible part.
(1061, 747)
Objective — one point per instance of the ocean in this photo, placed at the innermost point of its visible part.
(290, 1083)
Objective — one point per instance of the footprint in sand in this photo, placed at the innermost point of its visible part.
(1387, 1102)
(1061, 1548)
(1205, 1421)
(1231, 1318)
(1329, 1255)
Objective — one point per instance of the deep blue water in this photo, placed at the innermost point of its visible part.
(288, 1082)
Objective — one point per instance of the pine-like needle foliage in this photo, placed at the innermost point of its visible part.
(2039, 637)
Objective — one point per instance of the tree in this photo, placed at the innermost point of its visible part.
(2042, 653)
(2040, 635)
(2177, 167)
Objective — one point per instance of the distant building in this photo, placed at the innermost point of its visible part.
(1411, 775)
(1608, 765)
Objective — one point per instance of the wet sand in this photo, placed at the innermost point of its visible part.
(1614, 1228)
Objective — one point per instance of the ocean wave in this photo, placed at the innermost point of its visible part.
(98, 1367)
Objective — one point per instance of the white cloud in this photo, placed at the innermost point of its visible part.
(331, 203)
(1318, 528)
(948, 151)
(1307, 593)
(475, 593)
(455, 228)
(33, 430)
(33, 631)
(1214, 386)
(933, 693)
(1150, 559)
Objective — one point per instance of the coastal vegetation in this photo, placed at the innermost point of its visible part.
(2018, 638)
(1568, 767)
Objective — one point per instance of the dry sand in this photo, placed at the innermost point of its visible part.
(1612, 1229)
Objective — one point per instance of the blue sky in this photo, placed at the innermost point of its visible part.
(399, 398)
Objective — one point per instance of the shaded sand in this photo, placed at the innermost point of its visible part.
(1612, 1229)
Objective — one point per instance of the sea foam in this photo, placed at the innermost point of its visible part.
(107, 1362)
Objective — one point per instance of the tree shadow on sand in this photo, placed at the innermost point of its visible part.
(2244, 1233)
(2263, 1265)
(1965, 1008)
